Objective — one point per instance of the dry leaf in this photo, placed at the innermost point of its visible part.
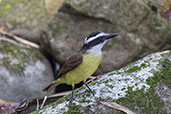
(165, 9)
(13, 108)
(1, 28)
(117, 107)
(2, 101)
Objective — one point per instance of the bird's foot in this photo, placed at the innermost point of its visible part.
(72, 99)
(90, 92)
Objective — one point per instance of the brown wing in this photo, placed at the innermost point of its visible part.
(71, 63)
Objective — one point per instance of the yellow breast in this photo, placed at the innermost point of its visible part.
(84, 70)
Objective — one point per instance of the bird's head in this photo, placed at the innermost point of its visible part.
(95, 41)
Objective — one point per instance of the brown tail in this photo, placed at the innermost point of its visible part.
(51, 86)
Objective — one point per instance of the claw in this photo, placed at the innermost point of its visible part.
(89, 90)
(72, 99)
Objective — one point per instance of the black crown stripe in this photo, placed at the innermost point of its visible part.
(92, 34)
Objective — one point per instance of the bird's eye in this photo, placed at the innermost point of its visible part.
(102, 39)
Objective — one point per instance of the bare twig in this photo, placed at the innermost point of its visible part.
(61, 94)
(44, 100)
(2, 101)
(117, 107)
(93, 78)
(37, 100)
(19, 39)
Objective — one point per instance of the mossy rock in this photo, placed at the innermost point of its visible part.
(145, 89)
(24, 71)
(27, 14)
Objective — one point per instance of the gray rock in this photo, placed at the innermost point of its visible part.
(164, 92)
(32, 15)
(24, 72)
(141, 30)
(142, 86)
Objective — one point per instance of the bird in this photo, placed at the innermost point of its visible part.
(82, 64)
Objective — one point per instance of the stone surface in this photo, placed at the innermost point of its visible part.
(24, 71)
(141, 31)
(27, 14)
(164, 92)
(142, 86)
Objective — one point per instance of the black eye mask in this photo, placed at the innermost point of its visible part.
(95, 42)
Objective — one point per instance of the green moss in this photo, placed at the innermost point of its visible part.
(6, 5)
(134, 30)
(117, 72)
(160, 27)
(163, 75)
(111, 86)
(12, 52)
(73, 109)
(19, 54)
(123, 89)
(130, 64)
(164, 54)
(93, 83)
(135, 68)
(107, 81)
(148, 102)
(26, 14)
(14, 68)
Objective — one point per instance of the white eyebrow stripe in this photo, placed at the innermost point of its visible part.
(92, 38)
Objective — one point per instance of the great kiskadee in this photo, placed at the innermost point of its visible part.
(82, 64)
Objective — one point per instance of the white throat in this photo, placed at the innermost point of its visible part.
(97, 50)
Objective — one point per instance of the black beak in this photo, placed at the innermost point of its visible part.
(110, 35)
